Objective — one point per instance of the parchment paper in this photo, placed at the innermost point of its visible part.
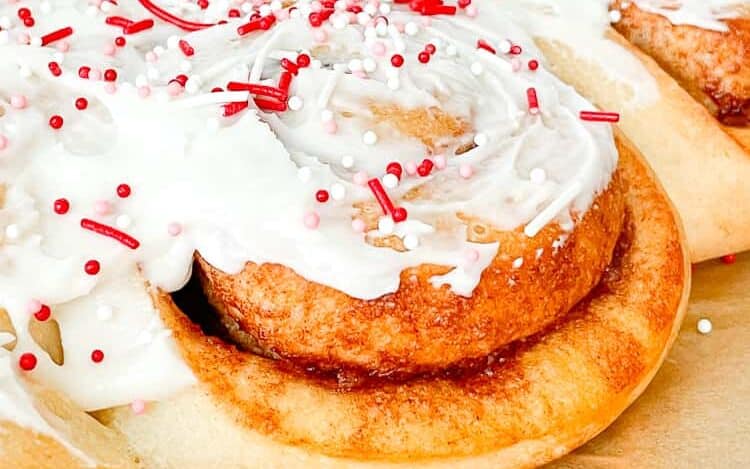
(696, 412)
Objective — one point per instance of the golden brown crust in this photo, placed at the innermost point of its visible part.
(420, 328)
(540, 399)
(713, 66)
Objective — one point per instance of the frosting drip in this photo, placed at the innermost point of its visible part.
(706, 14)
(243, 187)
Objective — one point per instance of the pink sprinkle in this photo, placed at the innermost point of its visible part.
(400, 27)
(440, 161)
(471, 255)
(516, 64)
(110, 88)
(174, 89)
(330, 127)
(320, 35)
(174, 229)
(312, 220)
(466, 171)
(471, 11)
(34, 306)
(316, 6)
(151, 56)
(19, 101)
(23, 38)
(3, 142)
(95, 75)
(102, 207)
(144, 91)
(109, 49)
(360, 178)
(63, 46)
(378, 49)
(411, 168)
(358, 225)
(138, 406)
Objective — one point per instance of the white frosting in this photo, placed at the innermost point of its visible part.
(241, 188)
(706, 14)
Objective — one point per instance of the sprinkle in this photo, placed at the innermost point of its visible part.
(481, 139)
(123, 191)
(386, 225)
(92, 267)
(138, 406)
(97, 356)
(186, 48)
(424, 57)
(43, 313)
(111, 232)
(295, 103)
(322, 196)
(729, 259)
(311, 220)
(518, 263)
(532, 100)
(170, 18)
(399, 214)
(174, 229)
(477, 68)
(537, 176)
(482, 44)
(466, 171)
(440, 161)
(360, 178)
(471, 255)
(370, 138)
(56, 35)
(705, 326)
(338, 191)
(411, 242)
(3, 142)
(390, 181)
(102, 207)
(18, 101)
(381, 196)
(81, 104)
(394, 168)
(505, 46)
(533, 65)
(411, 168)
(123, 221)
(56, 122)
(12, 231)
(594, 116)
(34, 306)
(138, 26)
(425, 168)
(110, 74)
(27, 361)
(397, 60)
(61, 206)
(358, 225)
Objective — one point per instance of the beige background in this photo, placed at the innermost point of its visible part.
(696, 413)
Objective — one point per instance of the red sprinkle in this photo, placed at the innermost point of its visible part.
(424, 57)
(120, 41)
(138, 26)
(321, 196)
(55, 69)
(381, 195)
(61, 206)
(43, 314)
(82, 103)
(533, 65)
(284, 81)
(729, 259)
(92, 267)
(425, 168)
(289, 66)
(24, 13)
(430, 49)
(516, 50)
(533, 100)
(482, 44)
(27, 361)
(234, 13)
(110, 74)
(464, 3)
(56, 35)
(108, 231)
(303, 60)
(397, 60)
(595, 116)
(56, 122)
(97, 356)
(399, 214)
(84, 71)
(29, 21)
(394, 168)
(256, 89)
(118, 21)
(123, 191)
(186, 48)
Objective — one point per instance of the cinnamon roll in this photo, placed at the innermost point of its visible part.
(421, 246)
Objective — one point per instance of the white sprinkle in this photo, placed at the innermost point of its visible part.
(390, 181)
(451, 50)
(705, 326)
(355, 65)
(518, 263)
(370, 138)
(159, 50)
(338, 191)
(504, 46)
(304, 174)
(264, 10)
(369, 65)
(104, 312)
(185, 66)
(411, 242)
(340, 21)
(123, 221)
(106, 7)
(537, 176)
(363, 18)
(386, 225)
(295, 103)
(411, 28)
(173, 42)
(481, 139)
(340, 5)
(36, 41)
(371, 9)
(477, 68)
(385, 8)
(615, 16)
(12, 231)
(347, 161)
(539, 253)
(326, 115)
(5, 22)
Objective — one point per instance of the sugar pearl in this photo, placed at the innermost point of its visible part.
(347, 161)
(360, 178)
(480, 139)
(370, 138)
(338, 191)
(466, 171)
(295, 103)
(411, 28)
(138, 406)
(390, 181)
(123, 221)
(411, 242)
(537, 175)
(705, 326)
(477, 68)
(386, 225)
(174, 229)
(358, 225)
(311, 220)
